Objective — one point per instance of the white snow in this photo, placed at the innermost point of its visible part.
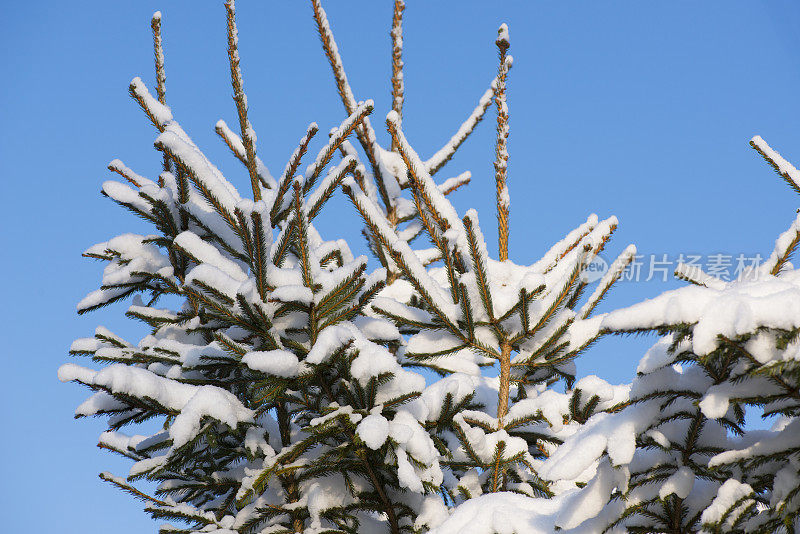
(740, 308)
(730, 492)
(502, 513)
(159, 111)
(205, 252)
(437, 160)
(373, 430)
(274, 362)
(680, 483)
(502, 34)
(192, 402)
(784, 167)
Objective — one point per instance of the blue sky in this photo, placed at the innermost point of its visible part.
(638, 109)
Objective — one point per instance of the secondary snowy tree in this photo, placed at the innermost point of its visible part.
(676, 457)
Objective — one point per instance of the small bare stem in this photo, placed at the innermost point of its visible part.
(248, 135)
(397, 59)
(501, 148)
(161, 77)
(505, 384)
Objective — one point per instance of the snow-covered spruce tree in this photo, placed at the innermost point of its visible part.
(676, 456)
(271, 386)
(277, 397)
(472, 312)
(279, 383)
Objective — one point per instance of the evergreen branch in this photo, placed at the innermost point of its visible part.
(785, 170)
(281, 246)
(439, 207)
(560, 250)
(446, 153)
(124, 486)
(334, 142)
(694, 274)
(785, 246)
(321, 195)
(608, 280)
(400, 320)
(259, 257)
(561, 297)
(289, 172)
(110, 299)
(205, 188)
(120, 168)
(237, 148)
(342, 291)
(452, 184)
(301, 226)
(479, 262)
(158, 113)
(403, 257)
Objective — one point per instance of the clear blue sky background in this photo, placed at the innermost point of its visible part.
(638, 109)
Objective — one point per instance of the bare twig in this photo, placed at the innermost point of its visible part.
(248, 135)
(161, 77)
(397, 59)
(501, 149)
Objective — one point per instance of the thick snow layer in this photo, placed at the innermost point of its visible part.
(373, 430)
(293, 293)
(131, 255)
(502, 513)
(274, 362)
(727, 495)
(205, 252)
(784, 167)
(614, 433)
(175, 140)
(211, 276)
(427, 407)
(119, 167)
(414, 442)
(768, 443)
(680, 483)
(193, 402)
(590, 500)
(740, 308)
(100, 402)
(161, 113)
(657, 356)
